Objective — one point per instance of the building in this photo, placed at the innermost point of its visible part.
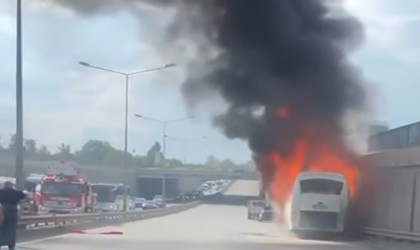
(397, 138)
(378, 128)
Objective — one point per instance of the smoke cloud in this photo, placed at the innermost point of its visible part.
(273, 54)
(268, 59)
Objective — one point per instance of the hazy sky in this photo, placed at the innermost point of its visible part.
(67, 103)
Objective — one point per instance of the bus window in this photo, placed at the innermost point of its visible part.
(120, 190)
(321, 186)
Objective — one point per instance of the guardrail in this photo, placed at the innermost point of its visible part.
(391, 234)
(49, 220)
(40, 221)
(32, 227)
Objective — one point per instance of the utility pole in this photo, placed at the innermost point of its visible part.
(19, 173)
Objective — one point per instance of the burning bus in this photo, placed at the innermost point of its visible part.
(319, 203)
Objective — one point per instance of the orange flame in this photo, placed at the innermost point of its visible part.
(305, 156)
(314, 151)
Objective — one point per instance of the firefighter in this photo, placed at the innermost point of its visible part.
(9, 199)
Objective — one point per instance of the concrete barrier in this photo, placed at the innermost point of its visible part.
(36, 227)
(396, 210)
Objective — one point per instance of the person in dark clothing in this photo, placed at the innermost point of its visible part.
(9, 199)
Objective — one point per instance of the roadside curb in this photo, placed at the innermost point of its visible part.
(393, 235)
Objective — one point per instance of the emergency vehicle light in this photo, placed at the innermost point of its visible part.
(49, 178)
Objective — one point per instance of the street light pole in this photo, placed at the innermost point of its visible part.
(127, 79)
(127, 76)
(19, 173)
(164, 123)
(164, 140)
(126, 121)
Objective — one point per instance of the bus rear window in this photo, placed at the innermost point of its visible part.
(321, 186)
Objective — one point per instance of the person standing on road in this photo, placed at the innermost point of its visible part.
(9, 199)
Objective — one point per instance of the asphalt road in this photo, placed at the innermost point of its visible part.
(207, 227)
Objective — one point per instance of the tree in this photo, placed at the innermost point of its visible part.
(64, 152)
(249, 165)
(227, 164)
(12, 144)
(94, 151)
(140, 161)
(174, 163)
(154, 156)
(43, 153)
(212, 162)
(1, 147)
(30, 147)
(115, 157)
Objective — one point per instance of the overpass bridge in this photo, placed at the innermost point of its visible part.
(170, 182)
(202, 174)
(144, 181)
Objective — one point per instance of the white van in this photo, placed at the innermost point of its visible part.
(319, 203)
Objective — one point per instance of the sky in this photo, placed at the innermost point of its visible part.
(67, 103)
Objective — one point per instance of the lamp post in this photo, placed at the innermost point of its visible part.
(19, 173)
(164, 124)
(126, 76)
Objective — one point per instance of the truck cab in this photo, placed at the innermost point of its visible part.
(64, 190)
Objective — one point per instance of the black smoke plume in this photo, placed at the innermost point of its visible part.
(265, 55)
(278, 64)
(278, 54)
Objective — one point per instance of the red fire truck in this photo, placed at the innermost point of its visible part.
(63, 190)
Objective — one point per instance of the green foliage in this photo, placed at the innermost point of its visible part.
(30, 146)
(102, 153)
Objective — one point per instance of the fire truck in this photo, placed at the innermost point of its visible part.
(63, 189)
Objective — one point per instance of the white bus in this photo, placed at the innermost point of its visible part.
(319, 203)
(110, 197)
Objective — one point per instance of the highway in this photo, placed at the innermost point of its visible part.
(208, 226)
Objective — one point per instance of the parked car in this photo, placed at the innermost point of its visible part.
(131, 204)
(158, 197)
(266, 214)
(150, 205)
(161, 203)
(255, 207)
(139, 202)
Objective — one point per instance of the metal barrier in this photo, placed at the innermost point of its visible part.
(40, 221)
(32, 227)
(396, 235)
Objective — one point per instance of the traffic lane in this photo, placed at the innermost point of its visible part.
(245, 188)
(204, 227)
(101, 244)
(380, 243)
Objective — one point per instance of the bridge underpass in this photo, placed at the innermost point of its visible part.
(151, 182)
(145, 182)
(208, 226)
